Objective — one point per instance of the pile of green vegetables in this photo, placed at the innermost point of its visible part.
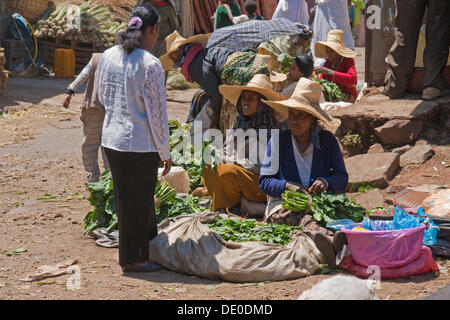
(330, 90)
(196, 164)
(324, 207)
(104, 213)
(285, 62)
(87, 23)
(237, 230)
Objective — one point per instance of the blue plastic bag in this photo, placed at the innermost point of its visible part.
(341, 223)
(403, 220)
(378, 225)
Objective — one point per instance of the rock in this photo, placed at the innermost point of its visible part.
(394, 189)
(421, 142)
(375, 169)
(376, 148)
(369, 200)
(430, 133)
(399, 132)
(402, 150)
(417, 155)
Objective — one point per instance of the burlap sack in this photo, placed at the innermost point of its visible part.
(186, 245)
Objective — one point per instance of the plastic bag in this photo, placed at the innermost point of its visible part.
(386, 249)
(338, 224)
(403, 220)
(378, 225)
(424, 263)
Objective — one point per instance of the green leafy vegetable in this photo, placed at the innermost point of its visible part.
(324, 207)
(237, 230)
(331, 90)
(285, 61)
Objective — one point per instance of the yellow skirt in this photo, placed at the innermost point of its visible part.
(229, 184)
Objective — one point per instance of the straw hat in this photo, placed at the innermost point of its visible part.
(175, 41)
(335, 41)
(305, 97)
(260, 83)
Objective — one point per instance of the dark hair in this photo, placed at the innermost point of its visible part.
(131, 38)
(250, 7)
(305, 64)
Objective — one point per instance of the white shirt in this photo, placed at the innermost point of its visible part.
(303, 162)
(294, 10)
(132, 89)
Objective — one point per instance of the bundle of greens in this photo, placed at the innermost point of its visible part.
(104, 213)
(324, 207)
(178, 206)
(330, 90)
(237, 230)
(285, 62)
(88, 23)
(102, 199)
(196, 163)
(294, 201)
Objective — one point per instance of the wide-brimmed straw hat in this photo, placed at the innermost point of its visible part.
(305, 97)
(260, 83)
(335, 41)
(175, 41)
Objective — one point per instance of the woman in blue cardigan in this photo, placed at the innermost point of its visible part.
(305, 157)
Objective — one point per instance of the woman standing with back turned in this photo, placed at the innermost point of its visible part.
(135, 133)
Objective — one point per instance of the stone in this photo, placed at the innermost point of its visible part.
(430, 133)
(417, 155)
(421, 142)
(369, 199)
(375, 169)
(399, 132)
(376, 148)
(402, 150)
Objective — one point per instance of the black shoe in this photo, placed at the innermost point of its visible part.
(147, 267)
(325, 246)
(339, 240)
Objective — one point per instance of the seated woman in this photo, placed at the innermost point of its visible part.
(339, 66)
(310, 160)
(238, 177)
(302, 66)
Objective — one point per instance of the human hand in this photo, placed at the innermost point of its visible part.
(324, 71)
(66, 102)
(294, 186)
(167, 165)
(319, 186)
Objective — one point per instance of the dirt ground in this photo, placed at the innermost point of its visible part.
(43, 201)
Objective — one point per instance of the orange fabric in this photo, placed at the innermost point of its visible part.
(229, 184)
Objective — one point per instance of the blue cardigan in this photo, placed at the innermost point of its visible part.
(327, 163)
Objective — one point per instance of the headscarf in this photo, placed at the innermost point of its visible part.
(264, 118)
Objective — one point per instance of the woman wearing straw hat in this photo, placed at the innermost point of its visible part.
(238, 177)
(310, 160)
(339, 66)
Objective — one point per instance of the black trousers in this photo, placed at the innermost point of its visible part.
(402, 55)
(134, 175)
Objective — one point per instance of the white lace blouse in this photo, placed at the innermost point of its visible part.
(132, 89)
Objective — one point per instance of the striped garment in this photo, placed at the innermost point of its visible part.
(249, 35)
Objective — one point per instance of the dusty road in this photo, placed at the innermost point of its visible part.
(43, 201)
